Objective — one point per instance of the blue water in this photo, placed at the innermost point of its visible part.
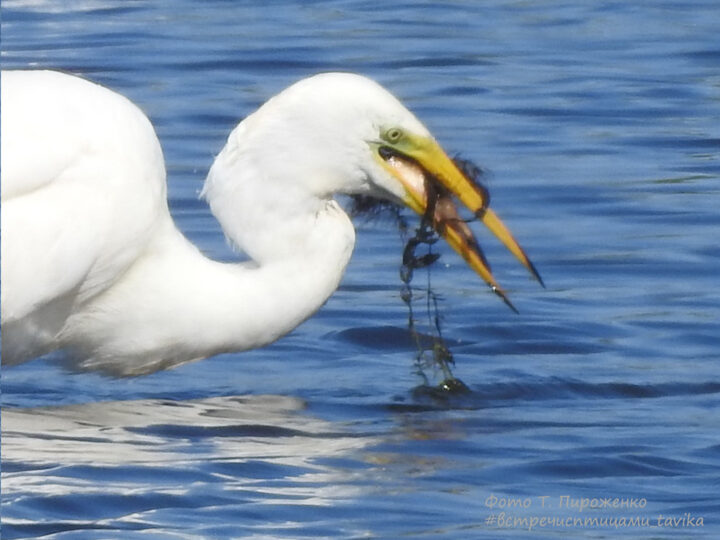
(600, 125)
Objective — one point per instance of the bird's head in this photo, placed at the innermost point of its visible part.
(344, 133)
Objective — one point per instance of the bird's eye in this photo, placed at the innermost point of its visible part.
(393, 135)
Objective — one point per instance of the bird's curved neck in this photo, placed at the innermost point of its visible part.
(251, 304)
(176, 305)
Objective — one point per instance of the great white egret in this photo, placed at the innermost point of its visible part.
(93, 263)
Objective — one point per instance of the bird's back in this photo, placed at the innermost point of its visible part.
(83, 188)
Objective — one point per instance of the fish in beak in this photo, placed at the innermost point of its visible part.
(432, 181)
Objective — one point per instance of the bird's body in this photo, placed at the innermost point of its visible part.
(83, 194)
(93, 263)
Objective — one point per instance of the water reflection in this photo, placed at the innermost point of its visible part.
(599, 122)
(130, 459)
(148, 431)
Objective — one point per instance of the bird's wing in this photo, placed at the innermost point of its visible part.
(82, 187)
(39, 138)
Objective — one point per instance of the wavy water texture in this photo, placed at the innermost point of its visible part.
(598, 124)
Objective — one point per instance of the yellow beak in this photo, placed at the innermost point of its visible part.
(430, 178)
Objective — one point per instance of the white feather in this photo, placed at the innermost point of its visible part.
(92, 262)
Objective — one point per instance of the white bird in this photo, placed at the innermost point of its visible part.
(91, 259)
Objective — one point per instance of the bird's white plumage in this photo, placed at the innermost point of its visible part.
(82, 191)
(91, 260)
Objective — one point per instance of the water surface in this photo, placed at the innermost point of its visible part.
(599, 124)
